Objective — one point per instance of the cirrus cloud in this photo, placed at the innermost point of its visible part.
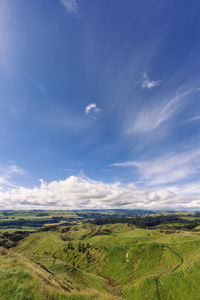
(7, 173)
(167, 168)
(151, 118)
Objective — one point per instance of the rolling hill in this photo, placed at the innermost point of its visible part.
(116, 260)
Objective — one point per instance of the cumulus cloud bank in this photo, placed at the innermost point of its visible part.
(73, 193)
(84, 193)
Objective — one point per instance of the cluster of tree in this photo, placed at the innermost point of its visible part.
(10, 239)
(42, 214)
(191, 225)
(49, 228)
(81, 247)
(105, 231)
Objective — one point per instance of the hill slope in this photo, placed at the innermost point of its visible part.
(133, 263)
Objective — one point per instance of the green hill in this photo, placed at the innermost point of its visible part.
(23, 278)
(118, 259)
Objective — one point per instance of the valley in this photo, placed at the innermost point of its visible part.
(83, 259)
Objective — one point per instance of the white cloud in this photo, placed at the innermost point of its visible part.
(166, 169)
(92, 108)
(80, 192)
(147, 83)
(188, 189)
(151, 118)
(74, 192)
(71, 6)
(84, 193)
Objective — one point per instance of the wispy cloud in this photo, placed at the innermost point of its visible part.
(7, 174)
(166, 169)
(147, 83)
(149, 119)
(92, 109)
(71, 6)
(195, 118)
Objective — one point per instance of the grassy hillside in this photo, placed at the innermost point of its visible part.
(23, 278)
(127, 262)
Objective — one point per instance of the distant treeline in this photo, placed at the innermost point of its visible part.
(95, 214)
(148, 221)
(33, 222)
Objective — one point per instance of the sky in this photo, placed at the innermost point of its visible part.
(99, 104)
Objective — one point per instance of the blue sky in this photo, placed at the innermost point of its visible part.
(99, 100)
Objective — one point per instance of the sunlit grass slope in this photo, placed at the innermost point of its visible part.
(23, 278)
(120, 259)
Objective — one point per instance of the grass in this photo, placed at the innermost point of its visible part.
(22, 278)
(116, 261)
